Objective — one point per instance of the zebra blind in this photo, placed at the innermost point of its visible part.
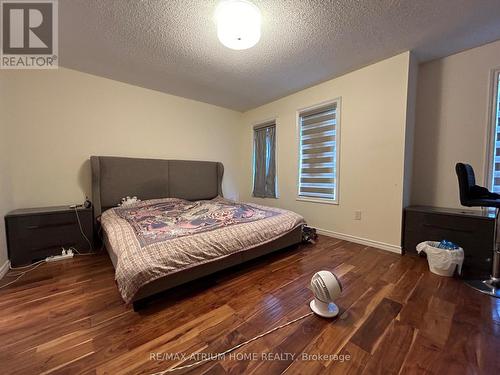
(496, 154)
(318, 153)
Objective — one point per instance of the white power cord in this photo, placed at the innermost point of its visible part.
(81, 229)
(221, 355)
(77, 253)
(28, 266)
(22, 273)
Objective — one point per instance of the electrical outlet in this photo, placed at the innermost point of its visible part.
(357, 215)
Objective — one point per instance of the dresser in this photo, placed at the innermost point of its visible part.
(472, 230)
(36, 233)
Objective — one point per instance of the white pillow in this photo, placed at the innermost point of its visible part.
(128, 201)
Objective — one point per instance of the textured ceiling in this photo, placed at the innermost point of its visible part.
(171, 45)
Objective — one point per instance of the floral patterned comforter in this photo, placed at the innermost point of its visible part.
(160, 221)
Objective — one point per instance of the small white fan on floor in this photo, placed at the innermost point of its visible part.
(325, 287)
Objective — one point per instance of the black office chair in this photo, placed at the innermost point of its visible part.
(472, 195)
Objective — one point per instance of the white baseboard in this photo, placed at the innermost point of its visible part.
(361, 240)
(4, 268)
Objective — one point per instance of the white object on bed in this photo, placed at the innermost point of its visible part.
(128, 201)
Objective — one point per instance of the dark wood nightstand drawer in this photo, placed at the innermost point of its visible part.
(34, 234)
(472, 230)
(46, 221)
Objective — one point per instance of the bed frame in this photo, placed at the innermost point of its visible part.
(116, 177)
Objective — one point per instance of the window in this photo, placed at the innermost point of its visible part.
(319, 139)
(495, 172)
(264, 160)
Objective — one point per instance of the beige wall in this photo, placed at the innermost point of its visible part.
(411, 101)
(57, 119)
(5, 191)
(372, 151)
(5, 205)
(452, 122)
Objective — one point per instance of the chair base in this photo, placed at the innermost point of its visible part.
(490, 287)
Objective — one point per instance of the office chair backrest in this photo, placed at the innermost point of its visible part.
(466, 180)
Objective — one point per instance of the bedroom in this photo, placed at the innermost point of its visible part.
(409, 89)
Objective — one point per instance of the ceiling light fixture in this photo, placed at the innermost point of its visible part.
(238, 24)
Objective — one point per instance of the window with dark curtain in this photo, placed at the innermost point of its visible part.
(264, 163)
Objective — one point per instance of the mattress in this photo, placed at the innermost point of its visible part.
(155, 238)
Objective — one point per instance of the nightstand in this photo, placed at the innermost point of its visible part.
(36, 233)
(472, 230)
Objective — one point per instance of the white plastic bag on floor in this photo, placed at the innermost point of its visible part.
(441, 261)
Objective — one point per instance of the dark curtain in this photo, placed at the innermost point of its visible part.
(265, 162)
(271, 162)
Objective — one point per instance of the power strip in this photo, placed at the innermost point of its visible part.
(65, 254)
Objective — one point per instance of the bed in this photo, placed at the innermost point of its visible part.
(183, 228)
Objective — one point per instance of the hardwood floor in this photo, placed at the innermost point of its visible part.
(396, 317)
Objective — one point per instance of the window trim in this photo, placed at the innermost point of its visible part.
(256, 125)
(338, 126)
(494, 80)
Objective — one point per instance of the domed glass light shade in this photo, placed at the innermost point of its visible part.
(238, 24)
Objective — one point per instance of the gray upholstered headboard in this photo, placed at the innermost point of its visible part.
(115, 177)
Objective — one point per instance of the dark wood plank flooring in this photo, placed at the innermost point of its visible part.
(396, 317)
